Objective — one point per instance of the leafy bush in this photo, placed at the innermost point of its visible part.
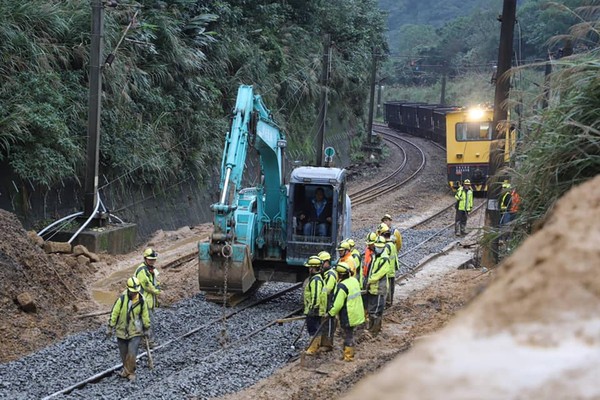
(561, 147)
(167, 96)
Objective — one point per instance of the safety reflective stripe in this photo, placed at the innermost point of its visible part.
(354, 295)
(504, 206)
(316, 279)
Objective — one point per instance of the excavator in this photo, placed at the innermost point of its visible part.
(266, 233)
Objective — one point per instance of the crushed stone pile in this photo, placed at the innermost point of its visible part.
(39, 293)
(533, 334)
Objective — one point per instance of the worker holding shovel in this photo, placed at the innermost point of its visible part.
(131, 320)
(315, 302)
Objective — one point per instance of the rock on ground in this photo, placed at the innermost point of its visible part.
(32, 280)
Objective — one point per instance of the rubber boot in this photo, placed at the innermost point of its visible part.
(348, 353)
(314, 346)
(376, 328)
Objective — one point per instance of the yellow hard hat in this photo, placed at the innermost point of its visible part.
(380, 242)
(382, 228)
(351, 242)
(371, 238)
(342, 268)
(506, 185)
(467, 182)
(150, 254)
(313, 262)
(324, 256)
(386, 216)
(344, 245)
(133, 285)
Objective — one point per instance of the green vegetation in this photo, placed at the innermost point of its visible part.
(459, 39)
(167, 96)
(560, 132)
(561, 147)
(468, 90)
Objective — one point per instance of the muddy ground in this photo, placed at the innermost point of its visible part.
(65, 288)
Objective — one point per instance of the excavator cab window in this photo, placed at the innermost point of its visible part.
(313, 211)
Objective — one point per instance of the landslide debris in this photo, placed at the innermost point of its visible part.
(40, 293)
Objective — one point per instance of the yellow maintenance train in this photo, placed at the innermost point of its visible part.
(465, 132)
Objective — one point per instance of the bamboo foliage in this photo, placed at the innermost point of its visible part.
(167, 96)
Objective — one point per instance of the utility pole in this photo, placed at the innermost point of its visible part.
(95, 92)
(324, 88)
(372, 95)
(443, 92)
(505, 50)
(379, 95)
(547, 72)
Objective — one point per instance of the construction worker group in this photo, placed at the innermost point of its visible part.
(132, 313)
(352, 290)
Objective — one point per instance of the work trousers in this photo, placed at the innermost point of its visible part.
(460, 222)
(348, 333)
(312, 324)
(327, 331)
(376, 305)
(128, 349)
(390, 292)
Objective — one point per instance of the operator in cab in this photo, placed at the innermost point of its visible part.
(316, 216)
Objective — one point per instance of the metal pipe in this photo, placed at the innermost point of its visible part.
(91, 217)
(110, 214)
(72, 216)
(225, 185)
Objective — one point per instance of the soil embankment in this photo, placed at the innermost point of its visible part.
(534, 333)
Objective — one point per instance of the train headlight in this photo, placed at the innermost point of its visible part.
(475, 114)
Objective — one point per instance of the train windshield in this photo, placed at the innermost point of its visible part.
(473, 131)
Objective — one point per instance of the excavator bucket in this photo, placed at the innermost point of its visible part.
(214, 269)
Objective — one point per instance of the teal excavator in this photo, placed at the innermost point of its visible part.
(265, 233)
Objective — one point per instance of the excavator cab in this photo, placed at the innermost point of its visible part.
(319, 212)
(266, 233)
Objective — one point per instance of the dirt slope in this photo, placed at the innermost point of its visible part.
(50, 280)
(424, 305)
(533, 334)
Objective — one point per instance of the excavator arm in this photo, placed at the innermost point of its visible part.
(249, 220)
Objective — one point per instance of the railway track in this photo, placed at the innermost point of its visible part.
(208, 345)
(435, 234)
(395, 179)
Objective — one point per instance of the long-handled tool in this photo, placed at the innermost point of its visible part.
(293, 346)
(150, 360)
(291, 319)
(317, 334)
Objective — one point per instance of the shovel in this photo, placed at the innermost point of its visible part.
(150, 360)
(303, 354)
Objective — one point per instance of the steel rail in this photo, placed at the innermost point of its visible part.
(422, 243)
(109, 371)
(361, 195)
(384, 185)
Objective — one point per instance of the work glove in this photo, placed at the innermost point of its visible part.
(109, 332)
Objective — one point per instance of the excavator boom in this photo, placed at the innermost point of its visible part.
(245, 219)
